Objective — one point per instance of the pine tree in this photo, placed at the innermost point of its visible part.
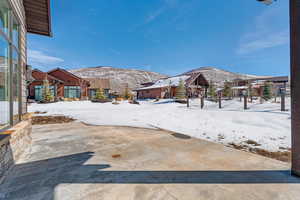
(127, 93)
(46, 92)
(212, 91)
(251, 92)
(267, 93)
(227, 91)
(180, 91)
(100, 94)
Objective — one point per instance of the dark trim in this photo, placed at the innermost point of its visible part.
(49, 19)
(295, 86)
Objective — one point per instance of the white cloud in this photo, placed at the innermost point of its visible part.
(114, 51)
(156, 13)
(264, 42)
(40, 58)
(153, 15)
(265, 33)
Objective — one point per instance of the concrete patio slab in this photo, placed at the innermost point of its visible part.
(78, 161)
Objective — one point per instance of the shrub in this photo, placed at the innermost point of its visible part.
(180, 91)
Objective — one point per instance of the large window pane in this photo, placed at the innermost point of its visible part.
(15, 85)
(4, 83)
(4, 16)
(38, 92)
(72, 92)
(15, 33)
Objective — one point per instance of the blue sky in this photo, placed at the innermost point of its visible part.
(166, 36)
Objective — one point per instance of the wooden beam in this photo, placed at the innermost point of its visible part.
(295, 83)
(38, 19)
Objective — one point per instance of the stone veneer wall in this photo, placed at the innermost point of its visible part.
(14, 145)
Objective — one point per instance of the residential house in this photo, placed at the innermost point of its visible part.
(97, 84)
(35, 88)
(63, 84)
(166, 88)
(72, 87)
(257, 84)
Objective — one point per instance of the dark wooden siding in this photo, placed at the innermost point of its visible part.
(38, 18)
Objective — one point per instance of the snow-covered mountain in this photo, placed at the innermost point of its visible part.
(119, 77)
(218, 75)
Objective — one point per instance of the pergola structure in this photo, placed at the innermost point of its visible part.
(38, 21)
(295, 81)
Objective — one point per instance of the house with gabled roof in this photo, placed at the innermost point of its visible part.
(63, 84)
(73, 86)
(97, 84)
(166, 88)
(36, 85)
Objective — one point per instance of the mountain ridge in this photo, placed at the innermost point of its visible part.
(218, 75)
(119, 77)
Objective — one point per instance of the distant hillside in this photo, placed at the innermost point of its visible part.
(218, 75)
(119, 77)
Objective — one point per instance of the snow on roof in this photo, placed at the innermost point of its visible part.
(172, 81)
(239, 87)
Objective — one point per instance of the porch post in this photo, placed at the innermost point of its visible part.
(282, 93)
(295, 83)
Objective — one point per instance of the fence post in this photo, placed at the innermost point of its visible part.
(220, 100)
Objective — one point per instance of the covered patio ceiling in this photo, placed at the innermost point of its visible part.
(38, 17)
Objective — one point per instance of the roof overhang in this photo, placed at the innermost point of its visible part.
(38, 18)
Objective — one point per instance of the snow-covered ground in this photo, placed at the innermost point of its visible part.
(263, 123)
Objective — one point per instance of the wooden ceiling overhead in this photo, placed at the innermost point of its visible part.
(38, 18)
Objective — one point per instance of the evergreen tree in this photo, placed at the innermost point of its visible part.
(169, 89)
(46, 92)
(251, 92)
(227, 91)
(212, 91)
(267, 93)
(100, 94)
(127, 94)
(180, 91)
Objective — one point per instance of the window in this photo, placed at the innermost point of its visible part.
(38, 92)
(4, 16)
(72, 92)
(4, 83)
(15, 33)
(15, 89)
(10, 73)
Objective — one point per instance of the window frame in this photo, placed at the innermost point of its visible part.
(68, 88)
(13, 18)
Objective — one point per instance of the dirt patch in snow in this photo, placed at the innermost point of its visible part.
(39, 112)
(252, 142)
(284, 156)
(41, 120)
